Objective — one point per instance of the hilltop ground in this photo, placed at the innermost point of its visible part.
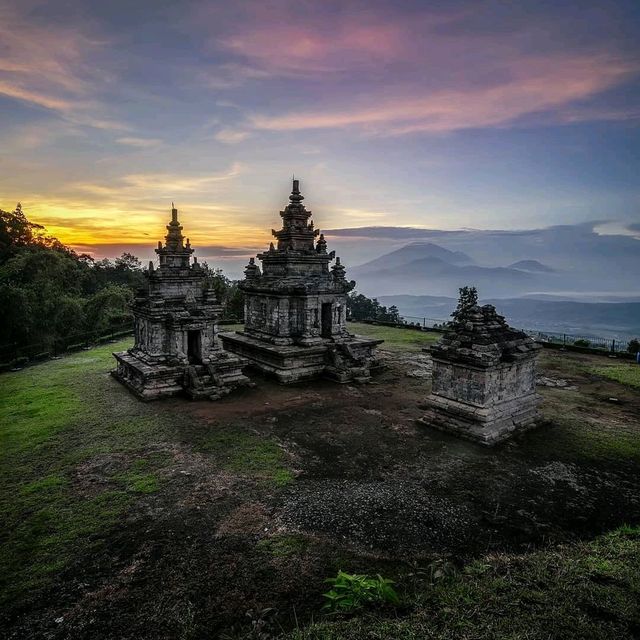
(181, 519)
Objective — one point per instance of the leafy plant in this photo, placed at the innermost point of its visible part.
(582, 343)
(350, 592)
(633, 346)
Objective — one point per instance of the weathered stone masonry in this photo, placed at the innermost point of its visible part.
(296, 307)
(484, 377)
(176, 344)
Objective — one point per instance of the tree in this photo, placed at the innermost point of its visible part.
(108, 307)
(633, 346)
(468, 298)
(227, 292)
(128, 262)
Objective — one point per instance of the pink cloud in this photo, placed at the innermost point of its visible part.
(294, 48)
(527, 85)
(52, 66)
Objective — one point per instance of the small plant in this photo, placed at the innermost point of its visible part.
(351, 592)
(582, 343)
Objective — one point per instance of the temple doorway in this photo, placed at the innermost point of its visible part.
(327, 319)
(194, 347)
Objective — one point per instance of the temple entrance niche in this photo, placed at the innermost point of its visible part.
(194, 346)
(327, 319)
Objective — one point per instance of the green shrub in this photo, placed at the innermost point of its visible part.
(633, 346)
(582, 343)
(350, 592)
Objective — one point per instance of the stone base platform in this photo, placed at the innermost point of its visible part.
(151, 381)
(347, 360)
(486, 425)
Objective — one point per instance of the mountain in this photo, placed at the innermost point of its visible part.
(531, 265)
(584, 262)
(607, 319)
(412, 252)
(431, 268)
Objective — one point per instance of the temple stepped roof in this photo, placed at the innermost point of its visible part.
(480, 336)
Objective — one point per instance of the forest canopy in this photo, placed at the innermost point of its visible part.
(51, 296)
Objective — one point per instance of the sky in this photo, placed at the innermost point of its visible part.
(440, 115)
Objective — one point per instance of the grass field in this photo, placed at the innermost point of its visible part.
(586, 591)
(394, 337)
(625, 372)
(56, 416)
(173, 519)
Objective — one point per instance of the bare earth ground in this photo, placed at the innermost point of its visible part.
(182, 519)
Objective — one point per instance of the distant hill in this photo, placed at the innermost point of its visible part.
(412, 252)
(607, 319)
(531, 265)
(567, 260)
(432, 268)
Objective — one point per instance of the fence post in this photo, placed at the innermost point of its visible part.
(613, 345)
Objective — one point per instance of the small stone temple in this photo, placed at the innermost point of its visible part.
(176, 345)
(484, 376)
(296, 308)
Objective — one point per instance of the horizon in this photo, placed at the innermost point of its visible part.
(487, 117)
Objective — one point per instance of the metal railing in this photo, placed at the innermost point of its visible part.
(612, 345)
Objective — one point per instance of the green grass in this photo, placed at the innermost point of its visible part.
(57, 417)
(283, 546)
(626, 373)
(64, 416)
(248, 453)
(395, 337)
(587, 590)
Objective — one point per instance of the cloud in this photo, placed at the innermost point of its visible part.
(142, 143)
(231, 136)
(150, 185)
(146, 249)
(531, 85)
(55, 66)
(297, 46)
(399, 233)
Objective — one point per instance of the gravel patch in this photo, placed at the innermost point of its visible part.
(388, 516)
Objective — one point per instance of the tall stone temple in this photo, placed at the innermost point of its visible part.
(484, 376)
(296, 308)
(176, 345)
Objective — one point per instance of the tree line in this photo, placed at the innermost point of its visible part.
(49, 292)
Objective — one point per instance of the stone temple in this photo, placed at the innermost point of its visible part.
(176, 345)
(296, 308)
(484, 376)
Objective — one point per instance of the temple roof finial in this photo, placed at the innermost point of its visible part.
(295, 196)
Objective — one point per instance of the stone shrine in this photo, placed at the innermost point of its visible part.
(296, 308)
(176, 345)
(484, 376)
